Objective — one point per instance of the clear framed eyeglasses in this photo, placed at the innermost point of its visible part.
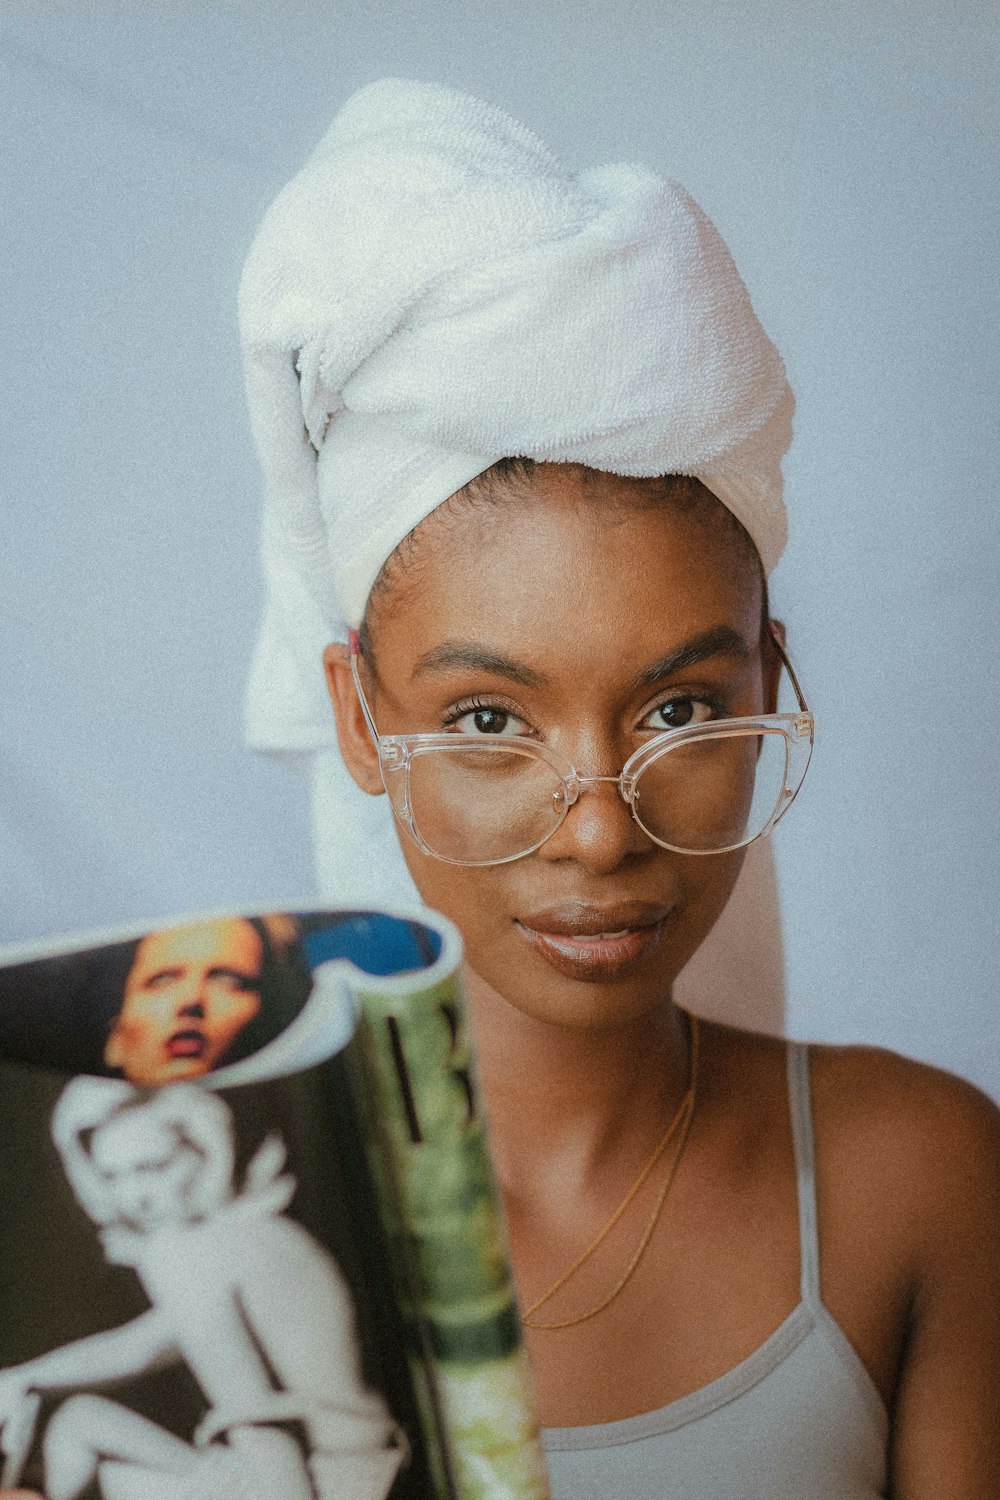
(704, 788)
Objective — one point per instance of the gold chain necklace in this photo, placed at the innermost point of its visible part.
(680, 1122)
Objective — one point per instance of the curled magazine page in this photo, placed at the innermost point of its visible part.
(431, 1165)
(205, 1291)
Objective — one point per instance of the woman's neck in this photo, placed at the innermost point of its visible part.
(569, 1107)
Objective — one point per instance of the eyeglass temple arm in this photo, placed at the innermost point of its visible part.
(354, 647)
(776, 641)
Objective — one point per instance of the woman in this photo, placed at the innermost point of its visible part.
(729, 1352)
(521, 435)
(155, 1170)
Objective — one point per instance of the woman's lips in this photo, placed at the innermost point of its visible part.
(594, 943)
(187, 1044)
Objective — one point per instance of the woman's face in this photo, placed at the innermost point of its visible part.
(147, 1169)
(188, 995)
(556, 616)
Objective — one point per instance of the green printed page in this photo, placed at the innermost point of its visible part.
(431, 1165)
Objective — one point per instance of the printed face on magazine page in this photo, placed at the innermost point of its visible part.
(188, 995)
(149, 1170)
(587, 616)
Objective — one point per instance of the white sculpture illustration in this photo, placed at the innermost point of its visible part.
(244, 1296)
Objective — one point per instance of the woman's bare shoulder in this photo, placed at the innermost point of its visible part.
(865, 1085)
(931, 1134)
(917, 1164)
(886, 1116)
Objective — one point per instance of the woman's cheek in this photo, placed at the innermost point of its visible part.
(707, 882)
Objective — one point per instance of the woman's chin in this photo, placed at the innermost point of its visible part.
(539, 991)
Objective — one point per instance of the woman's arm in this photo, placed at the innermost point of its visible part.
(128, 1350)
(946, 1421)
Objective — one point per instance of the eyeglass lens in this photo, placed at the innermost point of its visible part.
(713, 793)
(476, 803)
(483, 802)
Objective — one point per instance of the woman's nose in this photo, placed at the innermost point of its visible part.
(599, 832)
(191, 999)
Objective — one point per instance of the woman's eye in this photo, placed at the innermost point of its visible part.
(678, 713)
(485, 720)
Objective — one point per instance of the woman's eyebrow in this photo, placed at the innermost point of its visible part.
(451, 654)
(227, 971)
(720, 640)
(165, 971)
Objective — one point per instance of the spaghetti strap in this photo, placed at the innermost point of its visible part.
(800, 1110)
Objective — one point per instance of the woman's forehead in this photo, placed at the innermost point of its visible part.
(596, 561)
(229, 940)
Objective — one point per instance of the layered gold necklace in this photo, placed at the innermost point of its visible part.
(680, 1127)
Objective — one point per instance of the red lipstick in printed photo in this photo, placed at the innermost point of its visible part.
(190, 1043)
(591, 942)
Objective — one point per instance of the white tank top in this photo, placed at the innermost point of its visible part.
(799, 1419)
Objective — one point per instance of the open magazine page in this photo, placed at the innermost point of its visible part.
(225, 1273)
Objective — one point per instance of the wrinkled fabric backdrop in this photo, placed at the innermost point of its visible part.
(848, 154)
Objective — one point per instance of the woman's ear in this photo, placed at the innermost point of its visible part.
(114, 1054)
(356, 744)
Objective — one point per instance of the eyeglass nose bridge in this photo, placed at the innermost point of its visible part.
(574, 784)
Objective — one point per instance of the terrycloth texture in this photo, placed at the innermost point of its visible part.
(432, 292)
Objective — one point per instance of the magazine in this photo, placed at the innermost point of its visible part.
(250, 1247)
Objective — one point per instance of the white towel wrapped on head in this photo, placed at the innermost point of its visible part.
(433, 292)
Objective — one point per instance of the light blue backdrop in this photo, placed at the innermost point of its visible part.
(848, 154)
